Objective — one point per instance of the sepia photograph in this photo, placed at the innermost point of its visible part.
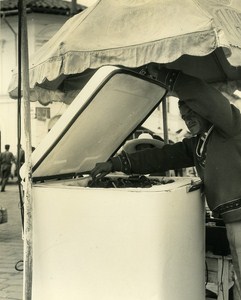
(120, 150)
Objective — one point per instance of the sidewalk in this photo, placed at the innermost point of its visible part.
(11, 246)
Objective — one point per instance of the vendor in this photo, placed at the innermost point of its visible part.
(214, 149)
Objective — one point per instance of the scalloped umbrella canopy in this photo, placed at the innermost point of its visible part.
(200, 37)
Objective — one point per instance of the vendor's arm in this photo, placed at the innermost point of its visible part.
(175, 156)
(201, 97)
(209, 103)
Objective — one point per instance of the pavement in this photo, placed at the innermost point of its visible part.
(11, 246)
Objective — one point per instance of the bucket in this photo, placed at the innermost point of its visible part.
(3, 215)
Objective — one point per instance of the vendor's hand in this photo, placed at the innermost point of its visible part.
(154, 69)
(160, 72)
(101, 169)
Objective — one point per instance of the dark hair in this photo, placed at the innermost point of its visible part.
(7, 147)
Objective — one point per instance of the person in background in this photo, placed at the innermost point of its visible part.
(21, 156)
(6, 160)
(214, 149)
(20, 159)
(144, 140)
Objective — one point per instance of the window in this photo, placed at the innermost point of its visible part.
(42, 113)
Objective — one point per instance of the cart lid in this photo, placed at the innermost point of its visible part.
(107, 110)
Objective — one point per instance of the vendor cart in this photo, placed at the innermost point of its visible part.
(126, 237)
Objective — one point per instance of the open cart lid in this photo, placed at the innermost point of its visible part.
(106, 111)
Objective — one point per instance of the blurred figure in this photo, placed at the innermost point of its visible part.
(20, 159)
(6, 160)
(21, 156)
(144, 141)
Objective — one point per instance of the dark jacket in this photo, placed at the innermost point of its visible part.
(222, 172)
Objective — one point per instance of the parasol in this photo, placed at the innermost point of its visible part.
(200, 37)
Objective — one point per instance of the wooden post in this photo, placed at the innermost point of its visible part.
(27, 277)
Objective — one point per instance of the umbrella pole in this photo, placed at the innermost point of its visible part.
(165, 125)
(164, 116)
(27, 276)
(73, 7)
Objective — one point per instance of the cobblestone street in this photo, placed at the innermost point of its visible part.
(11, 246)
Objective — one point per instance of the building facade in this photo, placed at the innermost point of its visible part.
(44, 18)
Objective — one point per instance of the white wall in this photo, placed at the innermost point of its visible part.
(41, 27)
(8, 123)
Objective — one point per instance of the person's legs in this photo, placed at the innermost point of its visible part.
(3, 182)
(234, 237)
(1, 175)
(5, 176)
